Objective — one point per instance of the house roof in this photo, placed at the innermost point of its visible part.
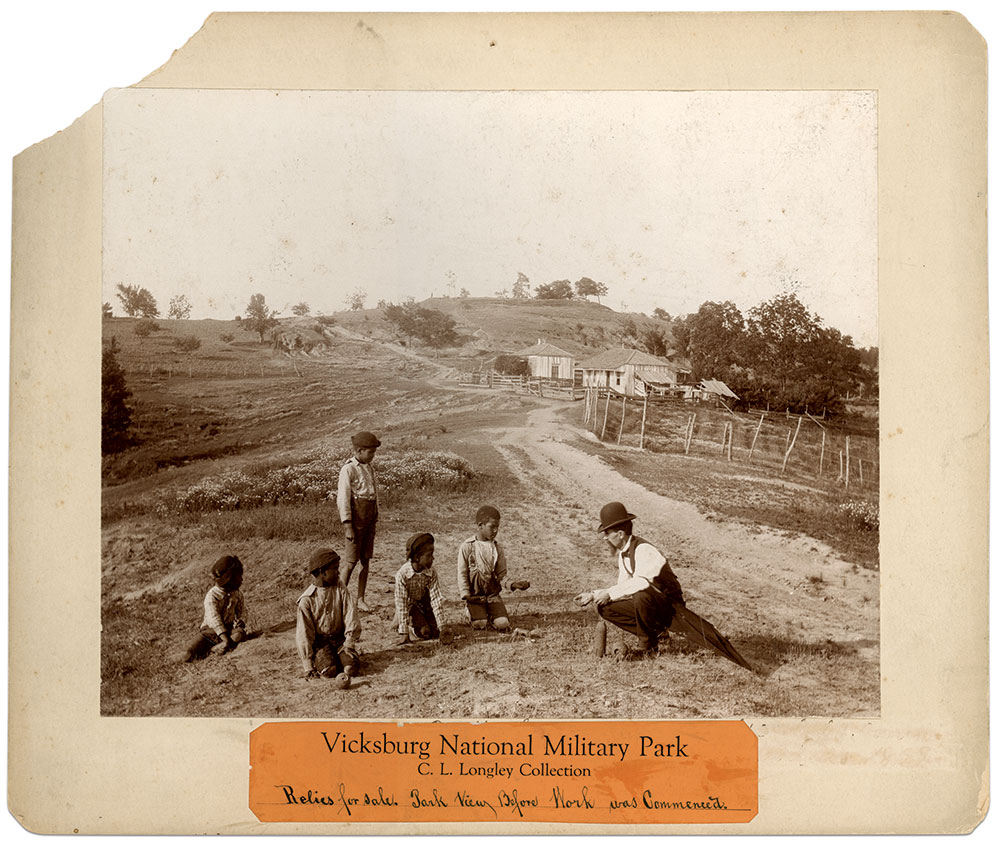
(612, 359)
(715, 386)
(547, 349)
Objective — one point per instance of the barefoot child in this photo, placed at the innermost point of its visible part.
(326, 625)
(418, 593)
(357, 503)
(224, 624)
(481, 570)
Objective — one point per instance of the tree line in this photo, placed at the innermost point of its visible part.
(779, 355)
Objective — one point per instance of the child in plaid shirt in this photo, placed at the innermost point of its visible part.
(482, 567)
(224, 624)
(418, 593)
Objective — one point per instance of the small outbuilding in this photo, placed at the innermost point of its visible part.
(548, 361)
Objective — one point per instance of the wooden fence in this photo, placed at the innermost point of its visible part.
(546, 388)
(789, 443)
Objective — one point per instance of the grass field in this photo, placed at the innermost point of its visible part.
(233, 461)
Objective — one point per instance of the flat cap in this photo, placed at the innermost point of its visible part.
(365, 440)
(416, 543)
(322, 558)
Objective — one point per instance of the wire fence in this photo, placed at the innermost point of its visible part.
(201, 368)
(788, 444)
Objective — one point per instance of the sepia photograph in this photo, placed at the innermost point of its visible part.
(490, 404)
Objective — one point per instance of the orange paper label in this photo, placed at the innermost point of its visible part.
(575, 772)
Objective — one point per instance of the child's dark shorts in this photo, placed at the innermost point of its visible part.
(364, 516)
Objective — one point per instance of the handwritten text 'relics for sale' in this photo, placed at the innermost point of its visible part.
(453, 745)
(345, 801)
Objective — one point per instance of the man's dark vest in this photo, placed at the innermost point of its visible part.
(666, 582)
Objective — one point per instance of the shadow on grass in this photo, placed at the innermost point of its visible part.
(768, 653)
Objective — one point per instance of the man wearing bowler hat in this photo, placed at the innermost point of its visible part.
(643, 601)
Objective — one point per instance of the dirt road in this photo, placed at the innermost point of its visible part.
(756, 578)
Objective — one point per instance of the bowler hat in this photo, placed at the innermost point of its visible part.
(365, 440)
(322, 558)
(614, 514)
(416, 543)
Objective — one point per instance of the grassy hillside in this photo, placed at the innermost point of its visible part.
(509, 325)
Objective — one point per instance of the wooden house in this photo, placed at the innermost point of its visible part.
(628, 371)
(548, 361)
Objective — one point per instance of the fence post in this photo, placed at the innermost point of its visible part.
(607, 404)
(861, 473)
(754, 442)
(729, 451)
(847, 461)
(689, 433)
(822, 450)
(792, 446)
(621, 425)
(642, 429)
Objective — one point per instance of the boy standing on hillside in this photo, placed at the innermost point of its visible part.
(357, 503)
(482, 567)
(327, 629)
(418, 593)
(223, 626)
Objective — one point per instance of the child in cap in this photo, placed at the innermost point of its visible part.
(326, 625)
(418, 593)
(357, 503)
(482, 567)
(224, 624)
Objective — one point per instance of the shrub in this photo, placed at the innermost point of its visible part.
(861, 514)
(314, 479)
(326, 320)
(116, 415)
(227, 337)
(187, 343)
(146, 326)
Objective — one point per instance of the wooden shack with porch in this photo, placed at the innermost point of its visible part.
(627, 371)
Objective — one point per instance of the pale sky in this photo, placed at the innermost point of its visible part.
(669, 198)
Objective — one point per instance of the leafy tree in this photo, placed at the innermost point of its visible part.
(464, 293)
(106, 312)
(628, 333)
(433, 327)
(137, 301)
(654, 341)
(511, 365)
(301, 309)
(660, 314)
(522, 287)
(180, 307)
(561, 289)
(716, 340)
(501, 294)
(588, 287)
(259, 318)
(681, 330)
(356, 299)
(116, 415)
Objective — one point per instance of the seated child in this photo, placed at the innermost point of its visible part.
(481, 569)
(326, 627)
(418, 593)
(224, 624)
